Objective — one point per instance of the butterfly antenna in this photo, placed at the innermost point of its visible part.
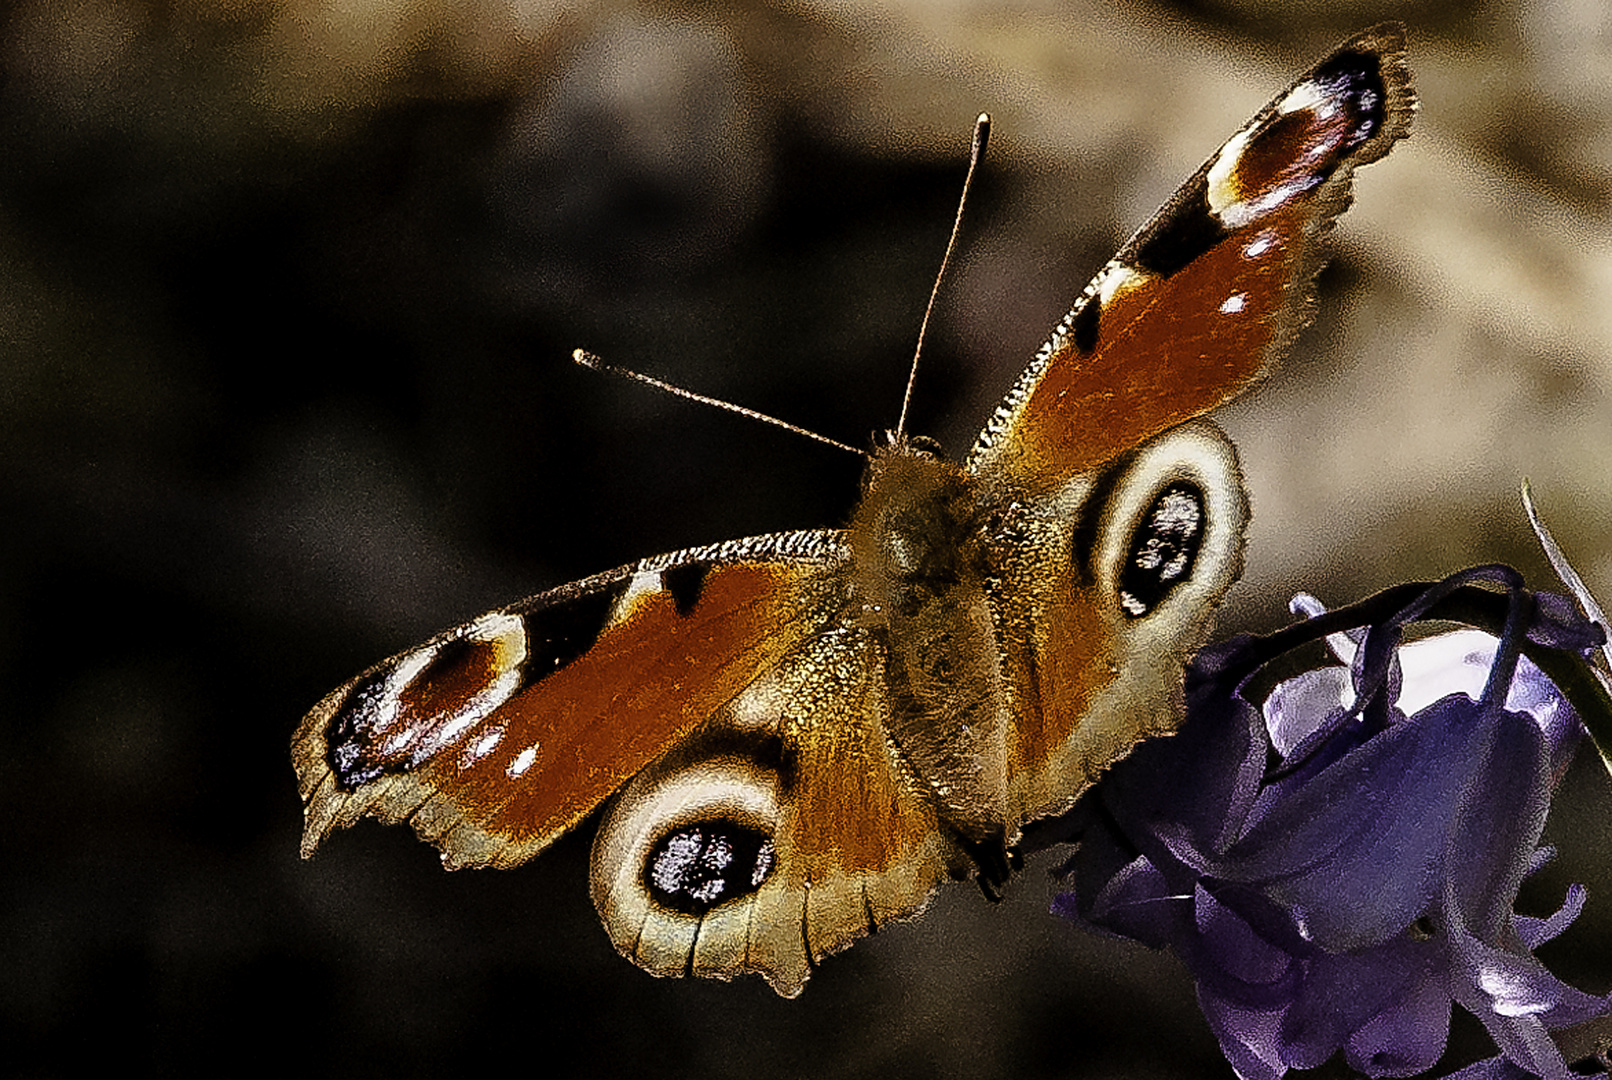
(982, 135)
(589, 360)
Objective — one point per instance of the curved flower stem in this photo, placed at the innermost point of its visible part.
(1463, 603)
(1572, 675)
(1488, 611)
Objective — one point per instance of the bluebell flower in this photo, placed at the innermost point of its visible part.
(1338, 864)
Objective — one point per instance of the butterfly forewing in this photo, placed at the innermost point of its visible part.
(1095, 449)
(1207, 295)
(498, 736)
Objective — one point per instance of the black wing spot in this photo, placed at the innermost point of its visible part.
(1162, 551)
(1084, 328)
(558, 634)
(1185, 233)
(685, 583)
(698, 867)
(346, 736)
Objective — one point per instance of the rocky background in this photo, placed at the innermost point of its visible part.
(288, 290)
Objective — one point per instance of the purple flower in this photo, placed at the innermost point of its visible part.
(1338, 868)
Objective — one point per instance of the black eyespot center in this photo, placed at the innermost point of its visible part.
(1357, 78)
(347, 736)
(1163, 549)
(698, 867)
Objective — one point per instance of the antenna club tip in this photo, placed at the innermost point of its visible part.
(585, 358)
(982, 135)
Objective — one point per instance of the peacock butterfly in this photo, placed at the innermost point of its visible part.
(797, 736)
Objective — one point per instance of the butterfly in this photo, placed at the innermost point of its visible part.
(796, 737)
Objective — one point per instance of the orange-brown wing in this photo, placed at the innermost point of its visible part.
(1211, 291)
(783, 830)
(1103, 601)
(1127, 513)
(496, 737)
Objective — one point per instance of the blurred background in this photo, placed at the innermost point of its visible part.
(288, 290)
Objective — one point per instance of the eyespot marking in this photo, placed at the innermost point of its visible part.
(695, 868)
(404, 714)
(1312, 130)
(1162, 552)
(358, 719)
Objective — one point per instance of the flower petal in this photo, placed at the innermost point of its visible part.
(1356, 852)
(1237, 951)
(1501, 815)
(1343, 991)
(1405, 1039)
(1518, 1000)
(1250, 1038)
(1199, 784)
(1535, 932)
(1135, 902)
(1300, 705)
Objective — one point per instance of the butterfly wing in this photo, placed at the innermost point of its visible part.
(496, 737)
(784, 829)
(764, 819)
(1214, 289)
(1124, 513)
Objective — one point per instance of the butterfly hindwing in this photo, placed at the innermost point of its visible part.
(783, 830)
(1102, 595)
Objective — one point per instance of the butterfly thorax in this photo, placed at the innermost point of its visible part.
(920, 574)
